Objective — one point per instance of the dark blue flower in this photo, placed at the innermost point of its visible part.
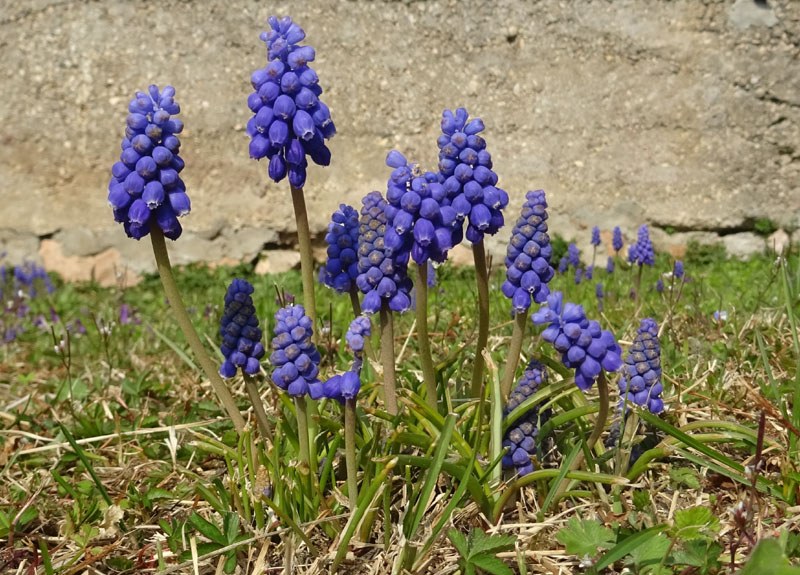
(521, 437)
(145, 186)
(596, 236)
(659, 285)
(563, 264)
(341, 267)
(677, 270)
(610, 265)
(598, 292)
(642, 382)
(584, 346)
(241, 336)
(342, 387)
(359, 331)
(382, 271)
(465, 170)
(290, 122)
(642, 251)
(418, 211)
(578, 275)
(528, 255)
(294, 356)
(616, 240)
(588, 273)
(573, 255)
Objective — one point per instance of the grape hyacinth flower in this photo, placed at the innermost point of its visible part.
(241, 336)
(295, 357)
(382, 272)
(642, 382)
(659, 285)
(578, 275)
(596, 236)
(642, 251)
(588, 273)
(341, 268)
(598, 292)
(616, 240)
(563, 264)
(610, 265)
(573, 255)
(528, 268)
(289, 120)
(528, 272)
(677, 269)
(465, 169)
(146, 187)
(419, 216)
(584, 346)
(356, 337)
(520, 439)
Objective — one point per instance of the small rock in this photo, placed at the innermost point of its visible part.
(778, 241)
(106, 268)
(743, 245)
(746, 13)
(277, 261)
(461, 255)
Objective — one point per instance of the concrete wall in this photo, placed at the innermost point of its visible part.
(680, 114)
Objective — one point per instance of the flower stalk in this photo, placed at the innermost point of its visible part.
(258, 407)
(350, 452)
(306, 259)
(514, 350)
(482, 279)
(428, 372)
(185, 323)
(387, 359)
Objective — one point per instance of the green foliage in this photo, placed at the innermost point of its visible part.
(478, 551)
(559, 246)
(764, 227)
(585, 537)
(698, 254)
(768, 558)
(218, 537)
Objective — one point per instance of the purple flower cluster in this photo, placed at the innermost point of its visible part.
(520, 439)
(356, 337)
(573, 255)
(596, 236)
(528, 255)
(598, 292)
(584, 346)
(145, 184)
(563, 264)
(382, 272)
(677, 270)
(342, 387)
(241, 336)
(588, 273)
(465, 169)
(341, 267)
(616, 239)
(610, 265)
(289, 119)
(418, 211)
(642, 251)
(294, 356)
(642, 382)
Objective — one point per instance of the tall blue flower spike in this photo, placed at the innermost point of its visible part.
(241, 336)
(146, 186)
(289, 120)
(294, 356)
(341, 267)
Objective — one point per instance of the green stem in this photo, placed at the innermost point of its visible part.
(428, 373)
(258, 407)
(302, 431)
(387, 359)
(637, 288)
(185, 323)
(350, 452)
(306, 259)
(599, 425)
(513, 354)
(482, 278)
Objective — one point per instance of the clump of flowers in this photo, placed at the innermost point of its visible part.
(294, 356)
(520, 439)
(642, 382)
(290, 122)
(616, 239)
(677, 269)
(528, 256)
(356, 337)
(641, 252)
(341, 267)
(145, 184)
(584, 346)
(418, 211)
(465, 169)
(598, 292)
(578, 275)
(573, 255)
(382, 272)
(588, 273)
(610, 265)
(241, 336)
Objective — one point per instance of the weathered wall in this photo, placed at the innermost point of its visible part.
(682, 114)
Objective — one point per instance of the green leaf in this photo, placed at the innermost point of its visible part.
(701, 554)
(768, 559)
(481, 543)
(583, 538)
(626, 546)
(459, 542)
(684, 476)
(208, 529)
(231, 527)
(492, 564)
(690, 523)
(202, 549)
(649, 554)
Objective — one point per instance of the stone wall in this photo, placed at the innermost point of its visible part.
(681, 114)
